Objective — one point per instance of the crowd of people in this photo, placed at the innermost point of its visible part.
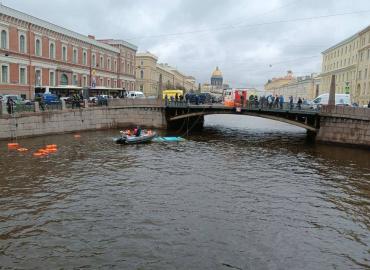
(271, 102)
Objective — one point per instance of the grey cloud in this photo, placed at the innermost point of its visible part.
(248, 55)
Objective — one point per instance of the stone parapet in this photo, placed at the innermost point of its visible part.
(345, 125)
(63, 121)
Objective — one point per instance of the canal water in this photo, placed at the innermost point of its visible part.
(246, 193)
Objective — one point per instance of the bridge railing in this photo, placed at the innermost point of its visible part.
(286, 106)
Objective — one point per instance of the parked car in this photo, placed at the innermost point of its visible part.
(205, 98)
(135, 95)
(17, 99)
(340, 99)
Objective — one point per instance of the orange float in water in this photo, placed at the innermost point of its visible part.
(52, 150)
(77, 136)
(22, 149)
(13, 145)
(37, 154)
(51, 146)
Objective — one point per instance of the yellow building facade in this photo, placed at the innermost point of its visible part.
(153, 77)
(349, 61)
(298, 87)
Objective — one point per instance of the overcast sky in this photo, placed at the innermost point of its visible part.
(245, 38)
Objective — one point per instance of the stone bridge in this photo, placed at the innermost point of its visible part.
(183, 115)
(344, 125)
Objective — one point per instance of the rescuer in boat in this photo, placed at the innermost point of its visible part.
(137, 131)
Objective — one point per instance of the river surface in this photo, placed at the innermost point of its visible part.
(246, 193)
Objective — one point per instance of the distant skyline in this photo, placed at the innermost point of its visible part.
(251, 41)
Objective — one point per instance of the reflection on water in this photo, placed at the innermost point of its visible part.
(245, 193)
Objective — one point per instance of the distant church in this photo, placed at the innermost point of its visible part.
(217, 78)
(217, 83)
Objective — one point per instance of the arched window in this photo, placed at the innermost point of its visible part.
(4, 39)
(52, 50)
(84, 58)
(38, 47)
(75, 56)
(93, 60)
(101, 62)
(64, 53)
(142, 74)
(22, 44)
(64, 79)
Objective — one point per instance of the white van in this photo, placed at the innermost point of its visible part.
(340, 99)
(135, 94)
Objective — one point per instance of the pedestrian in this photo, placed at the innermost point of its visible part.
(176, 98)
(281, 101)
(291, 104)
(299, 104)
(368, 105)
(166, 100)
(10, 105)
(241, 101)
(276, 105)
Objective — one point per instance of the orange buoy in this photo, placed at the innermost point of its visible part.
(13, 145)
(42, 151)
(51, 146)
(77, 136)
(37, 154)
(22, 149)
(52, 150)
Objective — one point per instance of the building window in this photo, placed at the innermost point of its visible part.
(22, 75)
(109, 64)
(101, 62)
(38, 77)
(84, 58)
(142, 74)
(84, 79)
(108, 82)
(52, 50)
(64, 79)
(115, 65)
(22, 44)
(101, 82)
(64, 53)
(115, 84)
(93, 60)
(4, 74)
(38, 47)
(4, 39)
(141, 88)
(52, 78)
(75, 81)
(75, 56)
(128, 68)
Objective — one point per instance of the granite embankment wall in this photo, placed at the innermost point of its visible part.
(345, 125)
(119, 114)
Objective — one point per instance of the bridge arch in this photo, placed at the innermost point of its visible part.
(294, 122)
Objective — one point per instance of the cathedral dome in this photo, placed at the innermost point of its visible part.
(217, 73)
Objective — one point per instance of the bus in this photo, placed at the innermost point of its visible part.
(172, 93)
(233, 97)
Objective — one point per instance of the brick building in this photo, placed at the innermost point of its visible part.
(35, 53)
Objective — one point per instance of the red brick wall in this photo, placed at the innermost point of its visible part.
(13, 39)
(45, 47)
(14, 73)
(58, 52)
(31, 42)
(45, 76)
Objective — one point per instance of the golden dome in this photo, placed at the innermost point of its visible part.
(217, 73)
